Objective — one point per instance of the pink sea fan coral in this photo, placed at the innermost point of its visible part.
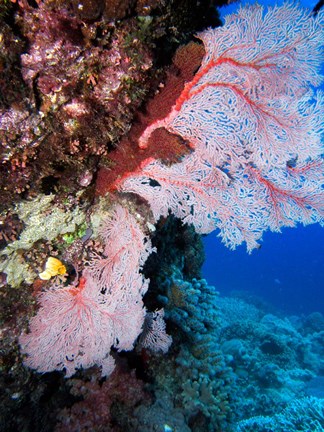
(255, 125)
(124, 254)
(76, 326)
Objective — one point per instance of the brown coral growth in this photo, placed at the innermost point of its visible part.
(162, 145)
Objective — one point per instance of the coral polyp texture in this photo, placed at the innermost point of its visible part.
(250, 120)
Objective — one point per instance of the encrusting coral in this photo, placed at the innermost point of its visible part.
(43, 221)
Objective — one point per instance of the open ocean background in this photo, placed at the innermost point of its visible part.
(287, 271)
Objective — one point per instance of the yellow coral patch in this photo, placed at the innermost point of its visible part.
(53, 267)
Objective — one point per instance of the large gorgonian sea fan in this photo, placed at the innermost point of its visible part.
(254, 121)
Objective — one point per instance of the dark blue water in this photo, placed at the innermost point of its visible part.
(288, 270)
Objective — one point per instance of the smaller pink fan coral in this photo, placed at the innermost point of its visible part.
(76, 326)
